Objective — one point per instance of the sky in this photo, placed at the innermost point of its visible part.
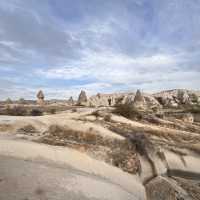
(100, 46)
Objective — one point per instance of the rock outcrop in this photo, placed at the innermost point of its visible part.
(82, 99)
(40, 98)
(70, 101)
(139, 101)
(120, 98)
(175, 98)
(165, 189)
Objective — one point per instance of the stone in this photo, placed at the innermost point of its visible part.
(82, 99)
(40, 98)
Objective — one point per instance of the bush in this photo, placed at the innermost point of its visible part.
(16, 111)
(127, 111)
(96, 113)
(194, 109)
(36, 112)
(74, 110)
(107, 118)
(28, 129)
(52, 111)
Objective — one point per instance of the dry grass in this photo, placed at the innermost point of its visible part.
(120, 153)
(28, 130)
(107, 118)
(5, 127)
(128, 111)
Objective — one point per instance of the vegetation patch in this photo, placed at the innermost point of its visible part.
(120, 153)
(27, 130)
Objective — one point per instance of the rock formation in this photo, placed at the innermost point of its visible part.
(71, 101)
(40, 98)
(166, 189)
(139, 101)
(120, 98)
(82, 99)
(183, 97)
(174, 98)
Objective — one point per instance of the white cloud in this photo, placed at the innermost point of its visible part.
(112, 68)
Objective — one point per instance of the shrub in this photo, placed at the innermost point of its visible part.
(52, 111)
(16, 111)
(194, 109)
(127, 111)
(36, 112)
(96, 113)
(74, 110)
(107, 118)
(28, 129)
(142, 143)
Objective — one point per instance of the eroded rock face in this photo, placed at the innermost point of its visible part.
(82, 99)
(139, 101)
(183, 97)
(120, 98)
(71, 101)
(161, 188)
(40, 97)
(174, 98)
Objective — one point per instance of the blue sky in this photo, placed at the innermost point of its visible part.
(63, 46)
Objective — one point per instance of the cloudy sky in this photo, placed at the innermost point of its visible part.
(63, 46)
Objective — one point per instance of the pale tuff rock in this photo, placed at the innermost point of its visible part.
(183, 97)
(174, 98)
(139, 101)
(106, 99)
(71, 101)
(166, 189)
(82, 99)
(120, 98)
(40, 98)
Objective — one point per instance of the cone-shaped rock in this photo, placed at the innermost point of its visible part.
(71, 101)
(139, 100)
(82, 99)
(40, 98)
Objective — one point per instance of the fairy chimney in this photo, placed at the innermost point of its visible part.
(71, 101)
(40, 98)
(139, 100)
(82, 99)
